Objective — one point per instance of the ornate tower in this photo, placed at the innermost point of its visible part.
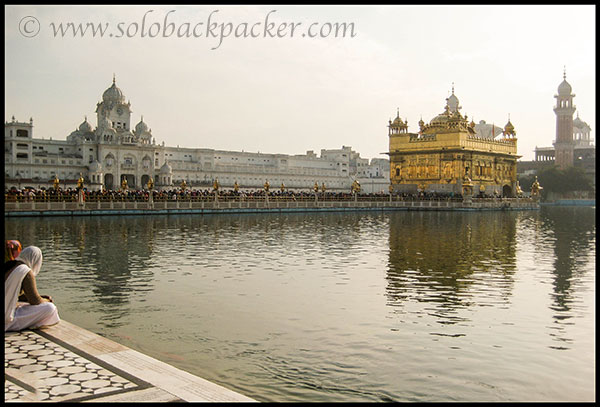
(564, 110)
(113, 112)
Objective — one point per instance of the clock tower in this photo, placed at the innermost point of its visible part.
(564, 110)
(114, 108)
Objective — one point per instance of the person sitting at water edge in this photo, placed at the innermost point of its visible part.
(19, 277)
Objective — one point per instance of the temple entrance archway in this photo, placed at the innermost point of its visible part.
(145, 179)
(108, 181)
(130, 180)
(507, 191)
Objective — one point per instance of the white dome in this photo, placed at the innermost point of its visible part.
(564, 88)
(141, 127)
(453, 103)
(85, 127)
(113, 94)
(166, 168)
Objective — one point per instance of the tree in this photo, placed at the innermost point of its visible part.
(558, 181)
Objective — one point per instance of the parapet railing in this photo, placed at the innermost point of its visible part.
(135, 197)
(55, 204)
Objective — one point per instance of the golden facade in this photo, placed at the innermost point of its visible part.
(437, 158)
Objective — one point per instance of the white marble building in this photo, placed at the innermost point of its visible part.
(113, 150)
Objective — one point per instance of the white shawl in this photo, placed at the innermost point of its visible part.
(32, 257)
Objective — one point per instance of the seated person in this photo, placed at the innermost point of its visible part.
(19, 276)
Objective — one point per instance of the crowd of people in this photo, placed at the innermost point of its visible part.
(24, 306)
(72, 195)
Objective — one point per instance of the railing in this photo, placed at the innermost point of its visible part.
(59, 204)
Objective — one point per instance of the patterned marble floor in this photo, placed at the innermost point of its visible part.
(64, 362)
(39, 369)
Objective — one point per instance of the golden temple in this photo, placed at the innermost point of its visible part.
(448, 149)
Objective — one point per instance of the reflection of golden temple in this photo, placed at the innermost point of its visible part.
(423, 265)
(435, 158)
(56, 183)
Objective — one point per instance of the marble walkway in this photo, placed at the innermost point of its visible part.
(67, 363)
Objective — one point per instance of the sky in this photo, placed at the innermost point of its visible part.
(239, 78)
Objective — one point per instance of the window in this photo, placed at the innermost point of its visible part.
(22, 133)
(22, 155)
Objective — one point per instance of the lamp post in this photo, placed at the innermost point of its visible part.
(18, 175)
(355, 189)
(150, 186)
(316, 189)
(56, 184)
(80, 183)
(266, 187)
(535, 189)
(216, 188)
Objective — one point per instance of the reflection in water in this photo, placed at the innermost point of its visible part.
(108, 254)
(574, 234)
(393, 306)
(451, 260)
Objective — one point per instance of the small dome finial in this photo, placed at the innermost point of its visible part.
(564, 72)
(114, 79)
(453, 88)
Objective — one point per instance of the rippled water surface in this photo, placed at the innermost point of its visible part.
(403, 306)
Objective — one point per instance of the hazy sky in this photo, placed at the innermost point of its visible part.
(293, 93)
